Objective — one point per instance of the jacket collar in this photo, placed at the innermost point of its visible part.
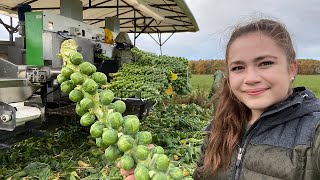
(292, 107)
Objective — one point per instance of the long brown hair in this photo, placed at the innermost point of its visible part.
(231, 114)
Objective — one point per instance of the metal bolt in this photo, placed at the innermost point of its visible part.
(5, 118)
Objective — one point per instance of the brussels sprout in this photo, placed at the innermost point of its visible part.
(66, 72)
(141, 152)
(61, 78)
(158, 150)
(161, 163)
(76, 58)
(100, 143)
(67, 86)
(96, 129)
(106, 97)
(77, 78)
(141, 172)
(87, 68)
(87, 119)
(144, 137)
(68, 46)
(86, 103)
(131, 124)
(112, 153)
(159, 176)
(125, 143)
(176, 173)
(99, 78)
(90, 86)
(93, 67)
(75, 95)
(79, 110)
(109, 136)
(126, 162)
(119, 106)
(115, 120)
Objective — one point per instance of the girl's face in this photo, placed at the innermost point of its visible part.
(259, 73)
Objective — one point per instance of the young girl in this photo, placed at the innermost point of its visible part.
(263, 128)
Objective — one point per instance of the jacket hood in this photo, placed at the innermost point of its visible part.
(300, 103)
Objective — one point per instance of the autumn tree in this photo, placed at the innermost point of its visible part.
(305, 66)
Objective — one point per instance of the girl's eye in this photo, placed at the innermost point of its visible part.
(266, 64)
(237, 69)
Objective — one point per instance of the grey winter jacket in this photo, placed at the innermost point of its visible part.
(284, 143)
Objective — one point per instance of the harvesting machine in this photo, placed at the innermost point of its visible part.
(29, 67)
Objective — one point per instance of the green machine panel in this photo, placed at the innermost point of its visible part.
(34, 43)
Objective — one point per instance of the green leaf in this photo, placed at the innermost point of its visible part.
(40, 170)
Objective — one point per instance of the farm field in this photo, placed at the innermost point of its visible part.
(312, 82)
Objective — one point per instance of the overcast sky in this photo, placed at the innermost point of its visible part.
(216, 18)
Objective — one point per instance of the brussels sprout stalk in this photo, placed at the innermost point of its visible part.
(119, 136)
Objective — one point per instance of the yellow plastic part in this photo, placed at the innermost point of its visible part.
(109, 36)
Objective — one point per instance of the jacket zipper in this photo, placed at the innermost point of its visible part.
(239, 157)
(242, 148)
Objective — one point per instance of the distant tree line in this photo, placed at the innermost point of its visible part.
(305, 66)
(308, 66)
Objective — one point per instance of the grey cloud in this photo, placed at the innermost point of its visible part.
(216, 18)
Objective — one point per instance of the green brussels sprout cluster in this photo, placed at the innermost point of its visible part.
(132, 79)
(177, 65)
(156, 77)
(118, 135)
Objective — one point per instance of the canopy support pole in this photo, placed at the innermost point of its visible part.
(159, 42)
(135, 27)
(118, 8)
(11, 33)
(10, 28)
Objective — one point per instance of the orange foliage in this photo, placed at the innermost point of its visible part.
(308, 66)
(206, 66)
(305, 66)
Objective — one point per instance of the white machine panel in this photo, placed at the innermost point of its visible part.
(55, 23)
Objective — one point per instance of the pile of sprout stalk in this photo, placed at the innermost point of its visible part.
(118, 135)
(151, 77)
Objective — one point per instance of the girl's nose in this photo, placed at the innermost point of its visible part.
(251, 76)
